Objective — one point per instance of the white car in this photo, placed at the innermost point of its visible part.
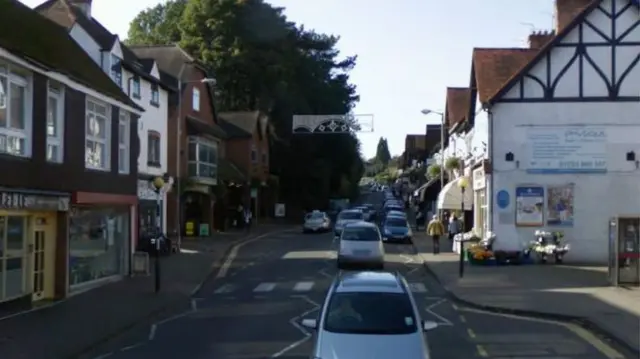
(316, 221)
(361, 245)
(345, 217)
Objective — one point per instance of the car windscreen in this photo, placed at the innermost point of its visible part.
(365, 234)
(350, 215)
(395, 222)
(370, 313)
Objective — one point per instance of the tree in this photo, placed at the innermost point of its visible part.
(382, 151)
(157, 25)
(263, 61)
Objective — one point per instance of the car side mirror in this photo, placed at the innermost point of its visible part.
(428, 325)
(310, 323)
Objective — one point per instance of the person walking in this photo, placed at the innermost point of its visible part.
(454, 227)
(248, 216)
(435, 229)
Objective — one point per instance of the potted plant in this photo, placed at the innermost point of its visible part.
(452, 163)
(433, 171)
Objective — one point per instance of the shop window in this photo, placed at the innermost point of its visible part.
(203, 158)
(98, 239)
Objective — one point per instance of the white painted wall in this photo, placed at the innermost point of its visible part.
(597, 197)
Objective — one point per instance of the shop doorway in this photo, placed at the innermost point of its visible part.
(13, 256)
(42, 249)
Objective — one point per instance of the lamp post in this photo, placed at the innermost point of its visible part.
(160, 186)
(441, 114)
(181, 83)
(462, 183)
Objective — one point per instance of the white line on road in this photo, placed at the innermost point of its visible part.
(227, 288)
(444, 320)
(418, 287)
(303, 330)
(303, 286)
(264, 287)
(152, 331)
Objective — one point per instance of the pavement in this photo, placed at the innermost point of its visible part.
(577, 294)
(252, 307)
(83, 322)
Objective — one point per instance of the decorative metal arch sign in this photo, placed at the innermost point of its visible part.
(313, 124)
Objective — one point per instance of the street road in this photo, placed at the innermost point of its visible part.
(252, 309)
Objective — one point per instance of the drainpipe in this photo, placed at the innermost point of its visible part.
(489, 196)
(178, 157)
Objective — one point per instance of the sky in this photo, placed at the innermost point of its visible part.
(409, 51)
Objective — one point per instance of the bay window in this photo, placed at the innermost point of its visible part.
(123, 142)
(15, 113)
(55, 123)
(203, 158)
(97, 135)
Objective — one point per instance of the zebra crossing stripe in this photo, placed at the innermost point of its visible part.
(264, 287)
(303, 286)
(227, 288)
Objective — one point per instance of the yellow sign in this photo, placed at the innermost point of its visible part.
(190, 228)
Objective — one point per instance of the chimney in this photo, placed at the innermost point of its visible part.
(82, 5)
(567, 10)
(537, 40)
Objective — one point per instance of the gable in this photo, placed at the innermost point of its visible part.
(116, 50)
(154, 71)
(595, 58)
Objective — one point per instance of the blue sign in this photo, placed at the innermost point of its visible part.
(503, 199)
(530, 191)
(567, 149)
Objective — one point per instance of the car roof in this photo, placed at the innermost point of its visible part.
(351, 211)
(362, 224)
(368, 281)
(397, 215)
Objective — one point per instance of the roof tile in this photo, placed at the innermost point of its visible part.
(495, 67)
(458, 103)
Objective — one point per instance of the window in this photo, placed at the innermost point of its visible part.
(155, 95)
(98, 134)
(359, 313)
(135, 91)
(55, 123)
(361, 234)
(15, 113)
(203, 158)
(254, 154)
(116, 70)
(350, 215)
(153, 149)
(123, 142)
(195, 100)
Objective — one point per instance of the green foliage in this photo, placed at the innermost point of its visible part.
(382, 152)
(452, 163)
(433, 171)
(263, 61)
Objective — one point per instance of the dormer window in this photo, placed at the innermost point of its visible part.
(116, 70)
(155, 95)
(195, 101)
(135, 87)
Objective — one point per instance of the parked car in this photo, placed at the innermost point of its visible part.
(345, 217)
(361, 245)
(369, 315)
(396, 229)
(316, 221)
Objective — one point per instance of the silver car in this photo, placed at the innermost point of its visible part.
(345, 217)
(369, 315)
(316, 221)
(361, 244)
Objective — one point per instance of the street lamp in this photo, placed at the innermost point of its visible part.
(441, 114)
(207, 80)
(160, 185)
(463, 183)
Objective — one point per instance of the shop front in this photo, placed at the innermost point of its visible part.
(148, 210)
(480, 209)
(32, 245)
(101, 229)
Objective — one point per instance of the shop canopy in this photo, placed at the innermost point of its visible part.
(451, 196)
(428, 191)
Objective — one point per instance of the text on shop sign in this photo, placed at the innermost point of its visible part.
(12, 200)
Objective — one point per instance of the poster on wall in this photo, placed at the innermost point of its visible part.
(529, 206)
(560, 205)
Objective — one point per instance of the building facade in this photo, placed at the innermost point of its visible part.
(140, 80)
(564, 129)
(66, 209)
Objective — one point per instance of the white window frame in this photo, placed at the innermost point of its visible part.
(153, 136)
(195, 99)
(15, 75)
(198, 141)
(124, 122)
(56, 91)
(104, 141)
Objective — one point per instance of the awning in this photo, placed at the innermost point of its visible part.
(227, 171)
(451, 196)
(428, 191)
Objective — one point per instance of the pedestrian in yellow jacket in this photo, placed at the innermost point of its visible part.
(435, 229)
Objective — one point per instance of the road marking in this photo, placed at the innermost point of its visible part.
(599, 344)
(227, 288)
(152, 331)
(471, 333)
(264, 287)
(481, 351)
(463, 319)
(418, 287)
(294, 322)
(303, 286)
(224, 269)
(444, 321)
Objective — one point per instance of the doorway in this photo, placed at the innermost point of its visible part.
(13, 259)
